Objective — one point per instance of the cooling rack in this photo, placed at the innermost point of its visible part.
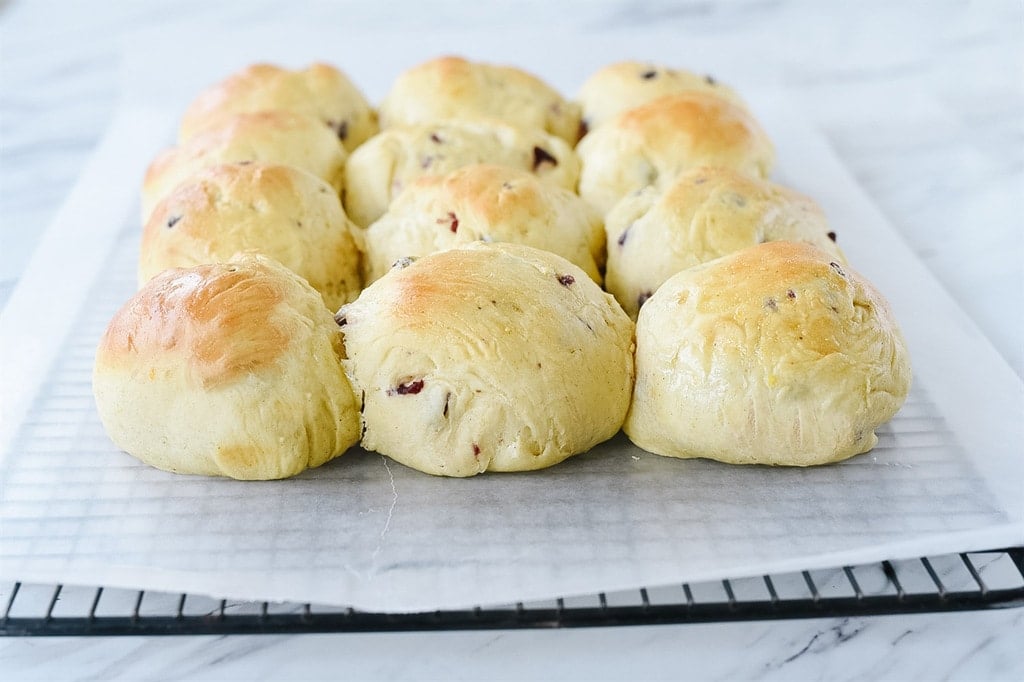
(65, 499)
(958, 582)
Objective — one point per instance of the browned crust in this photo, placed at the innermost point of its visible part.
(712, 123)
(219, 317)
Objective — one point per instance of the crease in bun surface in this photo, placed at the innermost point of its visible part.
(488, 357)
(279, 211)
(485, 203)
(777, 354)
(228, 369)
(705, 214)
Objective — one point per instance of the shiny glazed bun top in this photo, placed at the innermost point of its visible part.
(281, 137)
(319, 90)
(656, 142)
(456, 88)
(488, 357)
(485, 203)
(777, 354)
(229, 369)
(279, 211)
(618, 87)
(377, 172)
(706, 213)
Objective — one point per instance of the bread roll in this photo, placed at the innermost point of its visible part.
(279, 211)
(626, 85)
(229, 369)
(455, 88)
(656, 142)
(485, 203)
(319, 90)
(281, 137)
(489, 357)
(705, 214)
(777, 354)
(379, 170)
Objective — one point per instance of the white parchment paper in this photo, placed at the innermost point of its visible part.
(946, 476)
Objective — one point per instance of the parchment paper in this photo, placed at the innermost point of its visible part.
(369, 533)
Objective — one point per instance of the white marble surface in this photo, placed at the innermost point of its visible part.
(923, 101)
(964, 647)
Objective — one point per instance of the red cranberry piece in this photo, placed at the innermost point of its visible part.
(452, 220)
(408, 388)
(566, 280)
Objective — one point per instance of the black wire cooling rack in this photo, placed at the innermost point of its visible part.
(957, 582)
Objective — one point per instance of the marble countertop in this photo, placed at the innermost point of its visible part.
(923, 102)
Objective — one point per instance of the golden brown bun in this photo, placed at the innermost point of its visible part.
(656, 142)
(282, 137)
(278, 211)
(777, 354)
(319, 90)
(485, 203)
(626, 85)
(489, 357)
(707, 213)
(226, 370)
(455, 88)
(379, 170)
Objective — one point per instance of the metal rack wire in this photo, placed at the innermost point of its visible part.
(61, 427)
(979, 580)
